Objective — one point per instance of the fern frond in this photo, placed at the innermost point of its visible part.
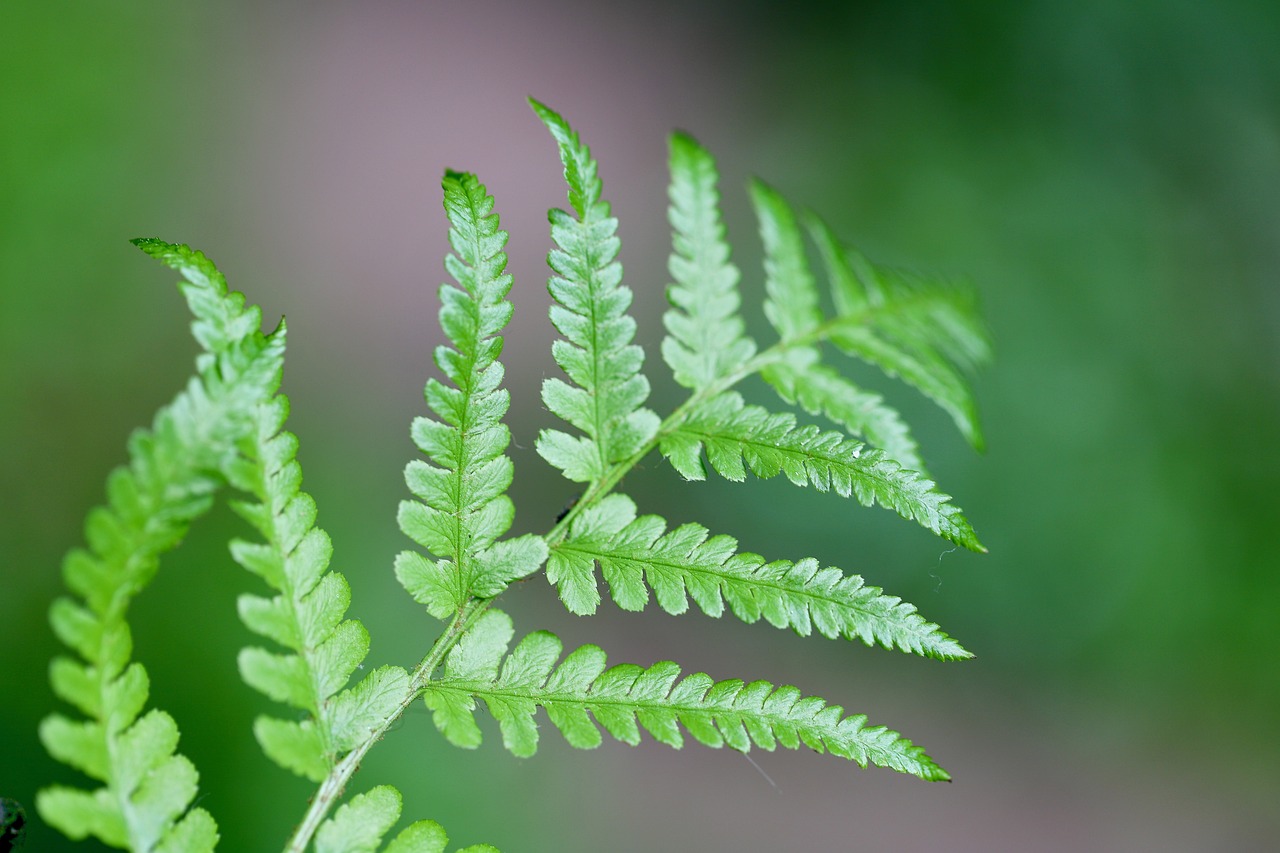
(148, 788)
(606, 398)
(306, 616)
(359, 825)
(463, 508)
(792, 302)
(733, 433)
(685, 563)
(707, 339)
(625, 698)
(820, 390)
(924, 332)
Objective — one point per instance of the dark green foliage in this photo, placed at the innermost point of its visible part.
(227, 428)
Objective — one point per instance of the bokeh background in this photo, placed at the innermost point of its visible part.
(1107, 173)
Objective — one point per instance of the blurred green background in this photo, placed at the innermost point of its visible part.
(1109, 176)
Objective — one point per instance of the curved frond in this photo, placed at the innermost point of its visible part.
(707, 338)
(687, 562)
(580, 692)
(736, 437)
(606, 398)
(462, 508)
(144, 802)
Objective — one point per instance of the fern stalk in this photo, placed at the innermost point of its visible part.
(334, 784)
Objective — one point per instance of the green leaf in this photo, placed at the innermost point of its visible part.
(79, 814)
(707, 339)
(365, 706)
(626, 698)
(306, 616)
(360, 823)
(423, 836)
(822, 391)
(461, 509)
(195, 833)
(427, 836)
(687, 562)
(736, 437)
(792, 303)
(928, 333)
(437, 585)
(298, 747)
(507, 561)
(597, 353)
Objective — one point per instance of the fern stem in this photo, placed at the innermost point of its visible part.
(615, 474)
(334, 785)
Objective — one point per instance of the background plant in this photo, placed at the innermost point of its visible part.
(226, 427)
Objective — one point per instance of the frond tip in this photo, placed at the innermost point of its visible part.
(707, 337)
(625, 698)
(604, 398)
(462, 508)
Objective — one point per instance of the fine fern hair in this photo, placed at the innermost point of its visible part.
(226, 428)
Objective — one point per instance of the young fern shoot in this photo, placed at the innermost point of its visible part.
(227, 428)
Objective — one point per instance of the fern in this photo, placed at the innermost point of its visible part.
(463, 508)
(686, 563)
(144, 802)
(928, 334)
(733, 433)
(228, 428)
(715, 713)
(306, 617)
(707, 340)
(596, 352)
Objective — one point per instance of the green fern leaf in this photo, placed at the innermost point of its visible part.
(822, 391)
(707, 339)
(685, 563)
(792, 303)
(427, 836)
(306, 616)
(924, 332)
(462, 507)
(733, 433)
(597, 353)
(172, 473)
(359, 824)
(423, 836)
(625, 698)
